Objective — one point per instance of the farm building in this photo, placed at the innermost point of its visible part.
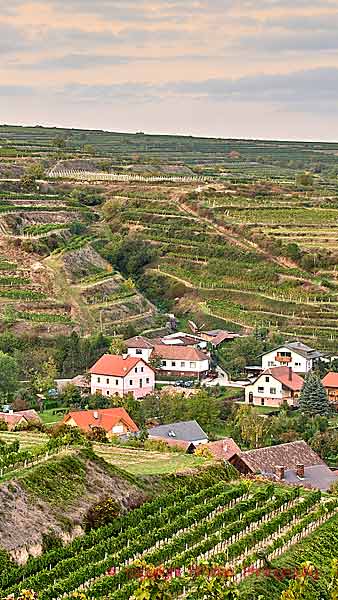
(273, 387)
(294, 463)
(114, 375)
(115, 421)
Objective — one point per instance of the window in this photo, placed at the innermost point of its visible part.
(272, 391)
(138, 351)
(147, 380)
(173, 363)
(135, 369)
(192, 365)
(182, 363)
(116, 381)
(267, 379)
(130, 382)
(108, 392)
(98, 379)
(270, 363)
(107, 380)
(297, 364)
(141, 383)
(164, 363)
(142, 369)
(262, 401)
(261, 390)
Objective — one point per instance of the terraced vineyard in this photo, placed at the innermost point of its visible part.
(221, 523)
(252, 247)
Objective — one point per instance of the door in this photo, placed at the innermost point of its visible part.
(251, 397)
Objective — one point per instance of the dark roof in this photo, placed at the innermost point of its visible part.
(264, 460)
(139, 342)
(299, 347)
(187, 431)
(316, 476)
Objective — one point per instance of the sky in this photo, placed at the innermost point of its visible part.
(221, 68)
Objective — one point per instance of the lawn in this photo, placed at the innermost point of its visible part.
(143, 462)
(49, 418)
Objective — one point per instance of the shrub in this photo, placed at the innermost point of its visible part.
(102, 514)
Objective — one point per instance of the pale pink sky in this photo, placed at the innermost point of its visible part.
(225, 68)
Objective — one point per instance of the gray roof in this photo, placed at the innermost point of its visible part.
(187, 431)
(316, 476)
(299, 347)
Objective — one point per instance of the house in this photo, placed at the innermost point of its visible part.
(273, 387)
(140, 347)
(300, 357)
(188, 432)
(223, 449)
(182, 360)
(20, 418)
(330, 383)
(115, 421)
(114, 375)
(294, 463)
(178, 354)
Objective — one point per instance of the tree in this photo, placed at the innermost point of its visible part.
(254, 429)
(9, 376)
(117, 345)
(45, 379)
(60, 142)
(313, 398)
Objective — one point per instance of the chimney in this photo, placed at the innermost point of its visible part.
(300, 471)
(290, 374)
(280, 472)
(95, 414)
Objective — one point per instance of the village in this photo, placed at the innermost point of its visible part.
(120, 401)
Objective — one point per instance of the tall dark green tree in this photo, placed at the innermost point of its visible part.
(313, 398)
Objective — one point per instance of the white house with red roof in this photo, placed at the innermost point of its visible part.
(177, 355)
(115, 421)
(114, 375)
(330, 383)
(275, 386)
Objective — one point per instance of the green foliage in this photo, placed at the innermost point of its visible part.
(9, 375)
(313, 398)
(102, 514)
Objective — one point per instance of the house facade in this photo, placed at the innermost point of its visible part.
(300, 357)
(114, 375)
(176, 354)
(273, 387)
(114, 421)
(182, 360)
(330, 383)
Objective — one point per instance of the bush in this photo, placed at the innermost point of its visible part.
(103, 513)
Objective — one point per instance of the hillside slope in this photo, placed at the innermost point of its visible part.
(55, 497)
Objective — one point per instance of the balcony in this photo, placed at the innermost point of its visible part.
(283, 359)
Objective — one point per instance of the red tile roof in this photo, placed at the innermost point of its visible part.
(223, 449)
(179, 352)
(139, 342)
(114, 365)
(106, 418)
(286, 377)
(12, 420)
(330, 380)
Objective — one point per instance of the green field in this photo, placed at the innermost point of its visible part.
(144, 462)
